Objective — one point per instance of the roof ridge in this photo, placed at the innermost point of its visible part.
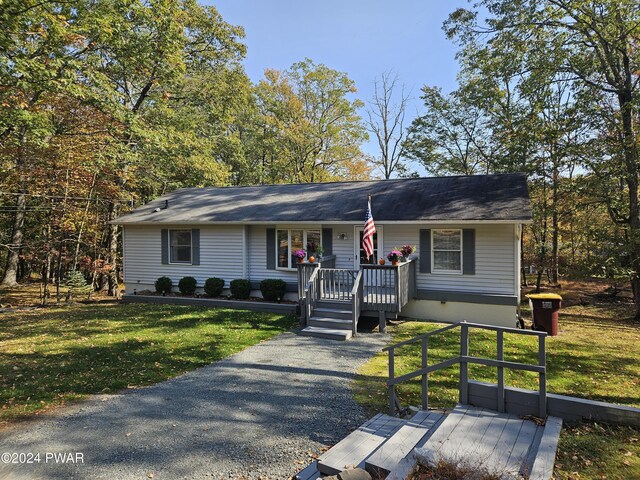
(342, 182)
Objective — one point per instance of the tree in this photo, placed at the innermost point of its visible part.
(307, 129)
(141, 62)
(134, 98)
(385, 120)
(450, 137)
(595, 45)
(39, 48)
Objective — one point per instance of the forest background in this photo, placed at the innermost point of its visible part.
(106, 104)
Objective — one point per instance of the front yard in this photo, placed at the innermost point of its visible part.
(596, 356)
(50, 356)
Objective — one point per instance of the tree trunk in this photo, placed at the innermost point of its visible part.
(76, 253)
(522, 265)
(112, 239)
(10, 278)
(630, 159)
(554, 227)
(13, 257)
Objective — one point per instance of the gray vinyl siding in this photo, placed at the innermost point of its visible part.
(224, 251)
(342, 249)
(495, 259)
(221, 255)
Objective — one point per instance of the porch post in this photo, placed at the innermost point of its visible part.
(382, 320)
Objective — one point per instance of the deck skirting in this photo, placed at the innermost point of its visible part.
(519, 401)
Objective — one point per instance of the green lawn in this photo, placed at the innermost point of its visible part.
(51, 356)
(595, 356)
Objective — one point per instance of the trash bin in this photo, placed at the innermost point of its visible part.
(544, 309)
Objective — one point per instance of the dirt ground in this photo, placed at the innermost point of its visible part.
(28, 294)
(592, 291)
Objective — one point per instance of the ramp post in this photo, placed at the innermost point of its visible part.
(464, 366)
(542, 361)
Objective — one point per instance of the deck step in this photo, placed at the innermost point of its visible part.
(415, 431)
(352, 450)
(309, 473)
(328, 333)
(334, 323)
(334, 304)
(333, 312)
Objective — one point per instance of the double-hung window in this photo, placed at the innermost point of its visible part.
(288, 241)
(447, 251)
(180, 246)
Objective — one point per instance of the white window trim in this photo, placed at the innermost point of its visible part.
(433, 251)
(356, 244)
(190, 262)
(293, 268)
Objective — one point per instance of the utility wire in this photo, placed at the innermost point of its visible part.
(38, 195)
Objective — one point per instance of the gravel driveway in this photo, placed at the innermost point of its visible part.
(256, 414)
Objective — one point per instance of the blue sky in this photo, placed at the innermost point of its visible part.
(362, 38)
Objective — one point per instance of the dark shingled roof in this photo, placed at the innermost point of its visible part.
(466, 198)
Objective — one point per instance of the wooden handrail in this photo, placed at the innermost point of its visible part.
(464, 359)
(474, 325)
(356, 302)
(420, 337)
(310, 295)
(389, 287)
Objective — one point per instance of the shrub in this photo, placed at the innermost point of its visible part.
(164, 285)
(213, 286)
(240, 288)
(273, 289)
(187, 285)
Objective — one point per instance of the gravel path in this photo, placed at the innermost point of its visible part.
(256, 414)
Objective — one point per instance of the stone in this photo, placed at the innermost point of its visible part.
(354, 474)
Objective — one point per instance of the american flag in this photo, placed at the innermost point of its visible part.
(368, 231)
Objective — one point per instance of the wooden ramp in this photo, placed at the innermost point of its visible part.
(379, 444)
(500, 443)
(361, 443)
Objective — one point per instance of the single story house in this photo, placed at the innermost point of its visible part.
(466, 229)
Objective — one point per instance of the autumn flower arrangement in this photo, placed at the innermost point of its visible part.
(407, 250)
(394, 255)
(300, 254)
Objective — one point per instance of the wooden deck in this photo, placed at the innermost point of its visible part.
(370, 295)
(499, 443)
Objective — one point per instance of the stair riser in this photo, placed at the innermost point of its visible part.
(329, 324)
(334, 305)
(328, 313)
(328, 336)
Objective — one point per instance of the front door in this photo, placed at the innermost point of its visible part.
(373, 278)
(359, 255)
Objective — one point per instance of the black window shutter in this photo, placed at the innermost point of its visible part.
(468, 251)
(327, 241)
(425, 251)
(271, 248)
(195, 246)
(164, 246)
